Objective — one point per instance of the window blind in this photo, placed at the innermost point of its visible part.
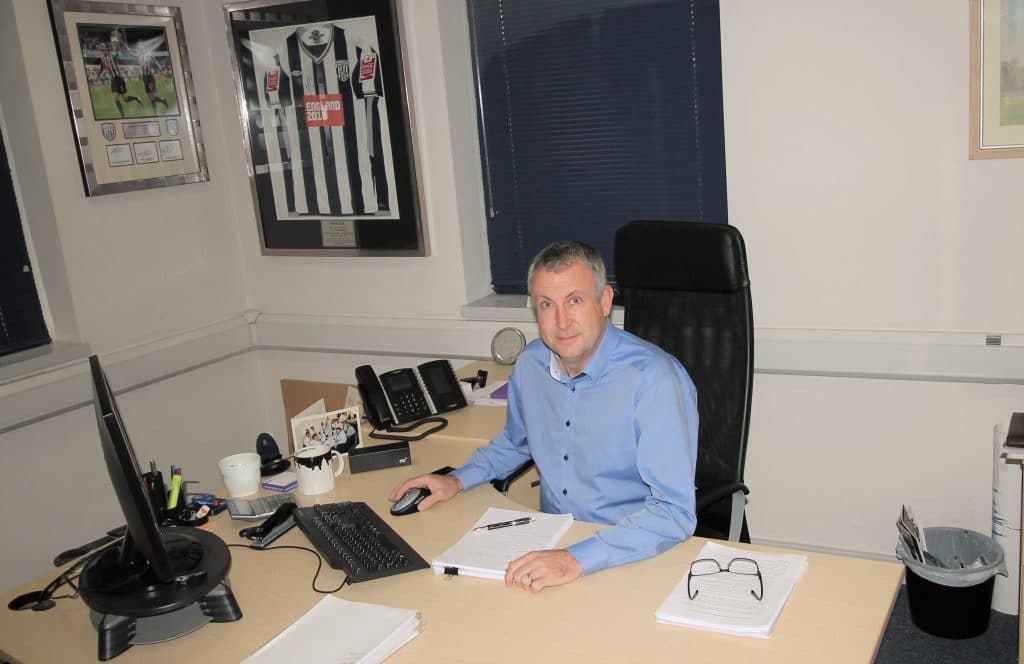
(21, 318)
(594, 113)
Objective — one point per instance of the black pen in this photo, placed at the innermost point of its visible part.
(506, 524)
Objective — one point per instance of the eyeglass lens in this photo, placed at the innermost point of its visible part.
(708, 566)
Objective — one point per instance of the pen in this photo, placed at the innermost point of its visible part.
(505, 524)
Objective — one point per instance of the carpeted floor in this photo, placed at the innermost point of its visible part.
(904, 643)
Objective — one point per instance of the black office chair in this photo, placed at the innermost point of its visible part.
(685, 287)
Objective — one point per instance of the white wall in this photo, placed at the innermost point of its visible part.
(140, 265)
(831, 460)
(847, 160)
(57, 488)
(846, 141)
(846, 136)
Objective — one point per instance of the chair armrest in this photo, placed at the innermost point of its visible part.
(502, 485)
(711, 495)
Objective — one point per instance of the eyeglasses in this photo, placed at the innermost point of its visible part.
(709, 566)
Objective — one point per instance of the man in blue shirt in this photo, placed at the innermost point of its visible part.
(610, 420)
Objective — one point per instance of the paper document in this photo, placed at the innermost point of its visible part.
(495, 394)
(724, 603)
(907, 528)
(337, 631)
(487, 553)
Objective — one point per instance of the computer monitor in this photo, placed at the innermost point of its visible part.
(142, 537)
(163, 581)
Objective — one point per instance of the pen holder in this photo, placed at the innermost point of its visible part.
(157, 494)
(185, 515)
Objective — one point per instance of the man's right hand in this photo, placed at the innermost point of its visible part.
(442, 487)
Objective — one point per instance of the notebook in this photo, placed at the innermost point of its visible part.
(487, 553)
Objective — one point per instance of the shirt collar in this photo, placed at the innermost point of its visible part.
(598, 363)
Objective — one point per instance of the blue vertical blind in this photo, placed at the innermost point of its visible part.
(594, 113)
(21, 318)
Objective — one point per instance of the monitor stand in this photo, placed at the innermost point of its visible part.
(129, 607)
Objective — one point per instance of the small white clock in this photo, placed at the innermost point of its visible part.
(507, 344)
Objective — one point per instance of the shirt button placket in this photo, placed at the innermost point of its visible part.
(570, 408)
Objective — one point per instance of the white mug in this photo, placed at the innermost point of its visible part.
(241, 473)
(313, 466)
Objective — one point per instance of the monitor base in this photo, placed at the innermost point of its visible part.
(129, 606)
(117, 634)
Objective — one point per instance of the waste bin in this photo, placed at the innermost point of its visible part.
(954, 601)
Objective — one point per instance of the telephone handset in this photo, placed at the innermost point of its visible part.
(408, 395)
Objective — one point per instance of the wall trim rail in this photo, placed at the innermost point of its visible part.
(887, 355)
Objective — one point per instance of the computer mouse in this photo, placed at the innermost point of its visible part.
(409, 500)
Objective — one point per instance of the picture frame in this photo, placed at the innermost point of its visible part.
(996, 79)
(130, 95)
(338, 429)
(324, 112)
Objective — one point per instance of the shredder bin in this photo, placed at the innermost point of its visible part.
(953, 602)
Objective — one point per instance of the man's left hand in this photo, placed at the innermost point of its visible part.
(538, 570)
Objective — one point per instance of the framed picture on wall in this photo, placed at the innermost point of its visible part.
(130, 95)
(997, 79)
(323, 110)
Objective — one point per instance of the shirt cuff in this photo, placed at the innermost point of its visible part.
(591, 554)
(470, 476)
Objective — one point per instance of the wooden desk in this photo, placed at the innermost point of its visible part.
(838, 612)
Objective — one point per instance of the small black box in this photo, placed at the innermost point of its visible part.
(375, 457)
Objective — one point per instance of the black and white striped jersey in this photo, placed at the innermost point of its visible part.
(325, 122)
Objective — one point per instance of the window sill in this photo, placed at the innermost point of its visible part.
(512, 308)
(41, 359)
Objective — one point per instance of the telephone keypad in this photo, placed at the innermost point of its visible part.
(410, 406)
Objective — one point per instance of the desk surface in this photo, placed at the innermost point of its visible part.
(837, 613)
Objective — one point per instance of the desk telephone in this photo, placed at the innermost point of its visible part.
(408, 395)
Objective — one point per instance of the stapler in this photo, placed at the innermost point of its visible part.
(276, 525)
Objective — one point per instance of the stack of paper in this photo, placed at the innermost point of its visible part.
(337, 631)
(487, 553)
(724, 602)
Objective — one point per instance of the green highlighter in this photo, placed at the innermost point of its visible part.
(172, 497)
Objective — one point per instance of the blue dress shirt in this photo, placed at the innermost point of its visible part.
(617, 444)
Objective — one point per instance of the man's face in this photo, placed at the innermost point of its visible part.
(571, 314)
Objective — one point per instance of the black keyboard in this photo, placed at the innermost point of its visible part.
(352, 537)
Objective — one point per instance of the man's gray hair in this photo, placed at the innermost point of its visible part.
(563, 254)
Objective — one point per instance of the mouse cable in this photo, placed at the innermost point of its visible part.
(319, 563)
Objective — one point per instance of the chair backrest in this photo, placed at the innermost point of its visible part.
(685, 288)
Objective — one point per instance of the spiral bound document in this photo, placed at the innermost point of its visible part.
(487, 553)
